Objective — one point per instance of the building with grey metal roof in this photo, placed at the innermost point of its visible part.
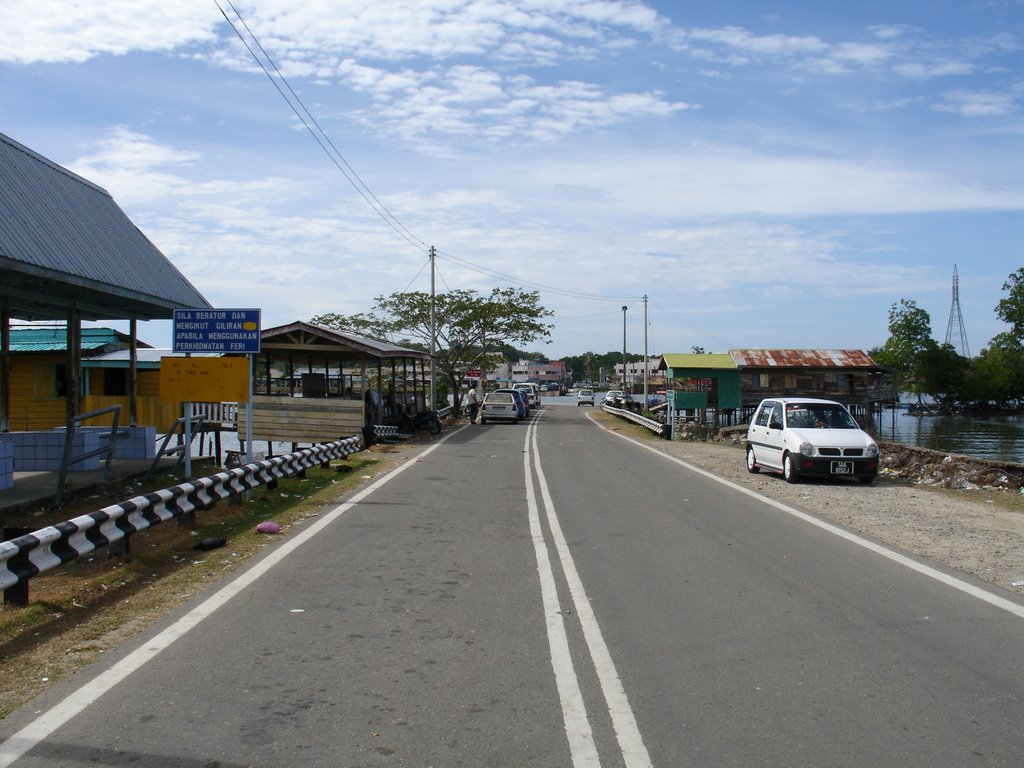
(64, 242)
(68, 252)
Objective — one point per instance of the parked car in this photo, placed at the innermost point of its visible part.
(618, 398)
(499, 406)
(532, 392)
(585, 397)
(521, 403)
(809, 437)
(611, 394)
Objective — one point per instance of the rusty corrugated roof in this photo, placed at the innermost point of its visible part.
(802, 358)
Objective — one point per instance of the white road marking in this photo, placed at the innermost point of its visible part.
(48, 722)
(933, 573)
(631, 744)
(574, 712)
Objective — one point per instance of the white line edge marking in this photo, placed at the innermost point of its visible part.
(44, 725)
(933, 573)
(631, 743)
(574, 712)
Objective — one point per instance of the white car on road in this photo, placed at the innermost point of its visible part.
(809, 437)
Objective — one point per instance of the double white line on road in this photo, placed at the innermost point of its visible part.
(577, 726)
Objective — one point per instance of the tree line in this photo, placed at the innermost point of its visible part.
(919, 364)
(480, 331)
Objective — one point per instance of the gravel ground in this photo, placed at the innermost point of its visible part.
(979, 531)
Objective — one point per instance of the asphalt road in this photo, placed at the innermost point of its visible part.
(551, 594)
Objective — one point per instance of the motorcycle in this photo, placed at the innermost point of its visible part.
(425, 420)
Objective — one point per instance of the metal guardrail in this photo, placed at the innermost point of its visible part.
(657, 427)
(34, 553)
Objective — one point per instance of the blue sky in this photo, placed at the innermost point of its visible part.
(768, 174)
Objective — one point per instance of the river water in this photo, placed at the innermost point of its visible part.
(997, 437)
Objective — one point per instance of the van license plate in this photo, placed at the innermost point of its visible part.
(842, 467)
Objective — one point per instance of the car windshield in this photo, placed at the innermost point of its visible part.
(818, 416)
(500, 397)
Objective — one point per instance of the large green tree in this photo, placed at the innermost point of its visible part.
(590, 365)
(1011, 308)
(469, 328)
(910, 339)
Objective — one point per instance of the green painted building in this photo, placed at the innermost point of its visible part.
(708, 381)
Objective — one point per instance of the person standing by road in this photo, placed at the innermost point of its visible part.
(472, 404)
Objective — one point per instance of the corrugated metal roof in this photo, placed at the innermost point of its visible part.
(56, 339)
(802, 358)
(305, 337)
(64, 239)
(146, 359)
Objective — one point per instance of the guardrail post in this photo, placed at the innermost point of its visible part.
(17, 595)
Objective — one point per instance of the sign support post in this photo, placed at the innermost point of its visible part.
(223, 331)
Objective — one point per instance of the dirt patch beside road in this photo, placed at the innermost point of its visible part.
(974, 528)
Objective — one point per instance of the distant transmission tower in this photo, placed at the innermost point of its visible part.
(955, 333)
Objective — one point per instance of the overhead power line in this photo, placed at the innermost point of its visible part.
(311, 125)
(266, 63)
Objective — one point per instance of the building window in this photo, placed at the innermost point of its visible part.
(115, 382)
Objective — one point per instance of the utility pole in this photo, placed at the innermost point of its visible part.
(646, 396)
(433, 331)
(623, 348)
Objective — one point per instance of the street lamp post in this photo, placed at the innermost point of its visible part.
(624, 349)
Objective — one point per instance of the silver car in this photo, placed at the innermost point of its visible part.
(499, 406)
(585, 397)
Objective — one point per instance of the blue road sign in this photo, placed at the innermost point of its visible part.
(217, 330)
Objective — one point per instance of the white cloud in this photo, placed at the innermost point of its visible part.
(61, 31)
(978, 103)
(920, 70)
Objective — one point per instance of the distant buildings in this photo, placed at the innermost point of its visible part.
(548, 372)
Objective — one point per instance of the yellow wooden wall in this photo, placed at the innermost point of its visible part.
(150, 411)
(33, 408)
(29, 410)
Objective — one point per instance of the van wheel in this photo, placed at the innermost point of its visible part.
(752, 467)
(789, 470)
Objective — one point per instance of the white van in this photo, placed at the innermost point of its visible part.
(532, 392)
